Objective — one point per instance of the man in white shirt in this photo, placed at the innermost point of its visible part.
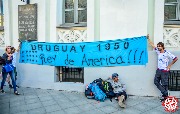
(162, 71)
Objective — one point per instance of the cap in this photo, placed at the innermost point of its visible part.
(114, 75)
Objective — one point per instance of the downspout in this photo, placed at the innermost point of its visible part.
(97, 20)
(150, 25)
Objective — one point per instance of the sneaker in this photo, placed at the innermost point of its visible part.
(10, 86)
(162, 99)
(16, 93)
(121, 104)
(17, 86)
(116, 98)
(2, 91)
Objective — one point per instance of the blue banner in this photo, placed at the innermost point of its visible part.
(121, 52)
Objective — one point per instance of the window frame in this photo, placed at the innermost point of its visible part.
(173, 21)
(71, 74)
(76, 23)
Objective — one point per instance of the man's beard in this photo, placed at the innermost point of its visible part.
(159, 49)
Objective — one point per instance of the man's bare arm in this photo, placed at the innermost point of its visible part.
(150, 42)
(169, 66)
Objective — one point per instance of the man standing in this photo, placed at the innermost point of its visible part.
(162, 71)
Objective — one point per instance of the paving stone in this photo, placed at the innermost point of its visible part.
(30, 101)
(177, 111)
(73, 110)
(2, 101)
(34, 106)
(24, 112)
(155, 112)
(65, 105)
(58, 112)
(17, 103)
(152, 104)
(18, 109)
(37, 111)
(49, 103)
(17, 98)
(48, 98)
(130, 110)
(80, 102)
(31, 96)
(99, 104)
(4, 110)
(95, 111)
(142, 107)
(86, 107)
(108, 109)
(52, 108)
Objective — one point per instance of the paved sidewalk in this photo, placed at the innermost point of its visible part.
(39, 101)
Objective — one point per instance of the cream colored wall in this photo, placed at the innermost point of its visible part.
(118, 19)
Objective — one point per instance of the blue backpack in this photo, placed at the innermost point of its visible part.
(99, 95)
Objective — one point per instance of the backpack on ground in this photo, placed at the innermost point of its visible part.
(99, 82)
(99, 95)
(108, 89)
(88, 93)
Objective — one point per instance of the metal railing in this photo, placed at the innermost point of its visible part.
(174, 80)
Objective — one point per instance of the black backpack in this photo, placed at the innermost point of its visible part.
(2, 61)
(108, 89)
(99, 82)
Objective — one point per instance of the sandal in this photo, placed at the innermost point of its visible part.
(16, 93)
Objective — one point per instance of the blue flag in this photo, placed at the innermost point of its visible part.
(121, 52)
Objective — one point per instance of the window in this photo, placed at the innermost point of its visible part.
(75, 12)
(1, 15)
(172, 12)
(69, 74)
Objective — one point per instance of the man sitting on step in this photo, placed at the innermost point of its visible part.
(119, 90)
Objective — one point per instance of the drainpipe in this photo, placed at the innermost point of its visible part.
(97, 20)
(151, 15)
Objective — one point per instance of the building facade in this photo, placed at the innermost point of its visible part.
(95, 20)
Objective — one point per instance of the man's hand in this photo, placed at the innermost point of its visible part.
(168, 68)
(147, 36)
(150, 41)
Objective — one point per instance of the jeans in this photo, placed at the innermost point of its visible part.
(4, 76)
(121, 93)
(161, 81)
